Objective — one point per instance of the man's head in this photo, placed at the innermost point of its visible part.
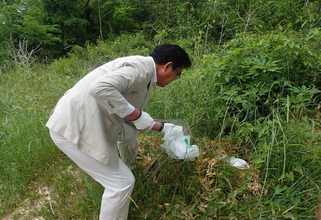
(170, 61)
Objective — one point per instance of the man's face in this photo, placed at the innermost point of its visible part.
(167, 73)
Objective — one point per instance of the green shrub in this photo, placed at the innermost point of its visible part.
(82, 60)
(247, 80)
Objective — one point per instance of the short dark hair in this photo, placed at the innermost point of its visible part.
(165, 53)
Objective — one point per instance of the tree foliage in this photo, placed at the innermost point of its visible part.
(59, 25)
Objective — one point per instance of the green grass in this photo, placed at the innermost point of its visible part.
(37, 180)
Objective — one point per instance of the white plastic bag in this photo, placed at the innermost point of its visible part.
(236, 162)
(178, 146)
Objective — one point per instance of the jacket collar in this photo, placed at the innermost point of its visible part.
(154, 79)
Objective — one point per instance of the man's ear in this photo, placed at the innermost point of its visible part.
(168, 64)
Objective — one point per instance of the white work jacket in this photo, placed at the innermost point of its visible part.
(86, 114)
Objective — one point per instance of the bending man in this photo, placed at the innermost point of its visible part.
(88, 119)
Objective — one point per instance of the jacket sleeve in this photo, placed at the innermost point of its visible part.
(108, 90)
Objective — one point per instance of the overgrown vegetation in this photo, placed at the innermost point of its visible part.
(253, 92)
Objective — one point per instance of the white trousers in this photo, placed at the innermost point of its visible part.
(117, 181)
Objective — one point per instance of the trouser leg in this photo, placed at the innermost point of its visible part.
(117, 181)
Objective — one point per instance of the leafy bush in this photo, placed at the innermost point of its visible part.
(248, 80)
(82, 60)
(261, 73)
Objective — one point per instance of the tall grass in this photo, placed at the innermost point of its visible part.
(25, 150)
(284, 179)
